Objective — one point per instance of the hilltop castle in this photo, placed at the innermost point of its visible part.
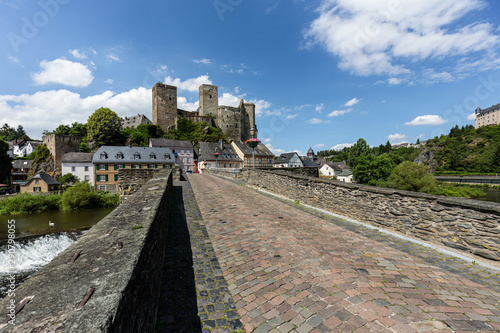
(237, 123)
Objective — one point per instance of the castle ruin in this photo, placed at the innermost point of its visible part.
(237, 123)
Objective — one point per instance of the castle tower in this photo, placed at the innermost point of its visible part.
(252, 126)
(209, 100)
(164, 106)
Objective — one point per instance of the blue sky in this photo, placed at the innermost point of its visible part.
(321, 73)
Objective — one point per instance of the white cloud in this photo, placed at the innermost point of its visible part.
(292, 116)
(426, 120)
(77, 54)
(396, 138)
(203, 61)
(337, 113)
(472, 116)
(113, 57)
(13, 58)
(64, 72)
(275, 151)
(394, 81)
(228, 99)
(183, 104)
(191, 84)
(267, 140)
(109, 81)
(319, 107)
(352, 102)
(317, 121)
(319, 145)
(302, 106)
(430, 76)
(341, 146)
(262, 107)
(47, 109)
(375, 37)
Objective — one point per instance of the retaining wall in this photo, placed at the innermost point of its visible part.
(467, 225)
(120, 258)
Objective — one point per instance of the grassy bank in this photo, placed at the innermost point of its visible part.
(80, 196)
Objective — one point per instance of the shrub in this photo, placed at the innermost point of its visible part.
(30, 203)
(412, 177)
(80, 196)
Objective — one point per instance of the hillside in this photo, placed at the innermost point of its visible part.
(464, 150)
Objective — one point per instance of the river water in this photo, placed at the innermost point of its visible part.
(37, 243)
(492, 195)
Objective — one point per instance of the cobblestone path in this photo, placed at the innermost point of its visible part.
(195, 296)
(292, 271)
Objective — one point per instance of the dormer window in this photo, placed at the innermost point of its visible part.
(167, 156)
(119, 156)
(137, 156)
(103, 155)
(152, 156)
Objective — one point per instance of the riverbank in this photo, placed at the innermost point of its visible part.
(76, 198)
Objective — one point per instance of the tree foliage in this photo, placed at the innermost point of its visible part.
(75, 129)
(8, 133)
(140, 136)
(412, 177)
(194, 132)
(104, 128)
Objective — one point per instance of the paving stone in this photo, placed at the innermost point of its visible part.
(309, 266)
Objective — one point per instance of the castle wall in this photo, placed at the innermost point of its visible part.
(59, 145)
(230, 122)
(209, 100)
(164, 106)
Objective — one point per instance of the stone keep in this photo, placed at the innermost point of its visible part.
(237, 123)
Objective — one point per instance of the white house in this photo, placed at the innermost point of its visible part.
(288, 160)
(80, 165)
(327, 170)
(22, 148)
(345, 176)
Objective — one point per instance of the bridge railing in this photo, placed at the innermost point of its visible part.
(108, 280)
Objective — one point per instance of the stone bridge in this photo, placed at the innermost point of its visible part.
(211, 253)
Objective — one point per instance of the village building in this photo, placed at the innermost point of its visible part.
(19, 173)
(41, 183)
(135, 121)
(22, 148)
(288, 160)
(218, 155)
(183, 151)
(263, 156)
(489, 116)
(107, 160)
(79, 165)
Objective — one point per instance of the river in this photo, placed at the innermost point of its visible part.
(37, 242)
(492, 194)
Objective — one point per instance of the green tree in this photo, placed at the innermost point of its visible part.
(68, 179)
(104, 127)
(5, 162)
(140, 136)
(84, 148)
(359, 149)
(412, 177)
(79, 196)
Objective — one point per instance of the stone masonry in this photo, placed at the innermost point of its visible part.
(462, 224)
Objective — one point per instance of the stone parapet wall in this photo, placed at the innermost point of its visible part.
(121, 259)
(463, 224)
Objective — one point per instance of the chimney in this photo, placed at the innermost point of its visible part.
(221, 145)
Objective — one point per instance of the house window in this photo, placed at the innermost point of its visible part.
(119, 156)
(102, 178)
(137, 156)
(86, 168)
(236, 165)
(73, 169)
(152, 166)
(37, 181)
(167, 156)
(86, 177)
(102, 187)
(230, 165)
(103, 155)
(152, 156)
(116, 178)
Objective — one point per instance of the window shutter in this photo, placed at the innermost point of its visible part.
(106, 177)
(140, 166)
(105, 167)
(116, 166)
(116, 178)
(98, 178)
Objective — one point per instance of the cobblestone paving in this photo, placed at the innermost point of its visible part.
(291, 271)
(195, 296)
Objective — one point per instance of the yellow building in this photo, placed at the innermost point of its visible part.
(109, 159)
(41, 183)
(489, 116)
(263, 156)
